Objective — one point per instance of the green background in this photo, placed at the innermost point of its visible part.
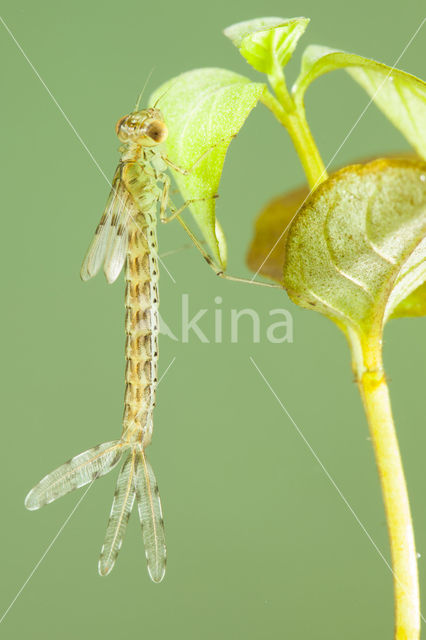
(260, 544)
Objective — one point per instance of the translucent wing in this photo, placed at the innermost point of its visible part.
(118, 236)
(110, 240)
(75, 473)
(122, 505)
(151, 517)
(96, 252)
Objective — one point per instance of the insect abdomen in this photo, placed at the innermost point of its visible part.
(142, 328)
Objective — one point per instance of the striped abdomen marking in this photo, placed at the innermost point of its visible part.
(142, 328)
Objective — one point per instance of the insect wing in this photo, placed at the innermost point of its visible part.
(118, 236)
(96, 252)
(122, 505)
(75, 473)
(151, 517)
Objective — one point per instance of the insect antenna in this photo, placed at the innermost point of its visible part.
(162, 95)
(142, 92)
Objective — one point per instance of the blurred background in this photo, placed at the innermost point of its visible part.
(260, 544)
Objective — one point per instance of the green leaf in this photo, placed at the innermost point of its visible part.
(204, 109)
(357, 248)
(267, 43)
(401, 96)
(414, 305)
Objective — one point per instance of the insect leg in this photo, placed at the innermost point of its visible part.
(165, 201)
(175, 213)
(212, 264)
(184, 247)
(186, 172)
(164, 195)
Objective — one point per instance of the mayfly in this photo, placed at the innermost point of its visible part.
(126, 235)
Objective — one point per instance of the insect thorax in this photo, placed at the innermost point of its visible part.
(140, 178)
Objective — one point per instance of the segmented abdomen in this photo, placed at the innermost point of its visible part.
(142, 328)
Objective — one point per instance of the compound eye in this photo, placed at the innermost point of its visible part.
(119, 124)
(156, 130)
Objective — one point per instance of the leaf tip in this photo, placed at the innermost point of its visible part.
(267, 42)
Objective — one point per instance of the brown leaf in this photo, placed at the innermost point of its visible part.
(267, 249)
(266, 252)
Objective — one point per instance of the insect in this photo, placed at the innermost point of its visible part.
(126, 235)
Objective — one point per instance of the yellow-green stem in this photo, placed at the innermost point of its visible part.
(370, 376)
(306, 148)
(294, 120)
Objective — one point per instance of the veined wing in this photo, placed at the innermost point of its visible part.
(122, 505)
(151, 517)
(118, 235)
(75, 473)
(109, 229)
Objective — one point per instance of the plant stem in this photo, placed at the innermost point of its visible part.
(294, 120)
(370, 376)
(306, 148)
